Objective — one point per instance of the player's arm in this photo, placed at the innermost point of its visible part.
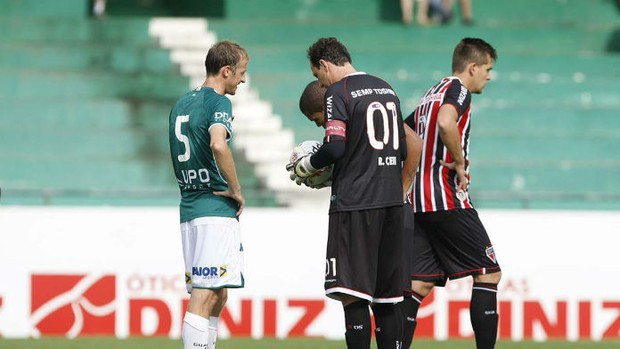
(410, 165)
(333, 148)
(223, 157)
(449, 133)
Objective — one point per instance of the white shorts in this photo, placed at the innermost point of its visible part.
(213, 253)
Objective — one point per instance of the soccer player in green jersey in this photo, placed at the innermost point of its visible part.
(211, 201)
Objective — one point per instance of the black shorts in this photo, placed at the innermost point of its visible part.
(449, 245)
(365, 255)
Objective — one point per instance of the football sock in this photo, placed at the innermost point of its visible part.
(357, 324)
(213, 320)
(483, 313)
(409, 309)
(195, 331)
(389, 325)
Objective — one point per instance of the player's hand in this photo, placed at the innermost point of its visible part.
(235, 195)
(308, 181)
(462, 175)
(302, 167)
(291, 174)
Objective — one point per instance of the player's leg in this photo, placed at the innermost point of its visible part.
(411, 305)
(204, 306)
(483, 309)
(426, 272)
(349, 277)
(390, 276)
(408, 307)
(483, 304)
(195, 331)
(467, 250)
(358, 326)
(214, 317)
(213, 262)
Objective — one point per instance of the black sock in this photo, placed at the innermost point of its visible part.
(357, 324)
(389, 325)
(409, 312)
(483, 314)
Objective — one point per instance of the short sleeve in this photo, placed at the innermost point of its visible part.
(335, 104)
(221, 114)
(458, 96)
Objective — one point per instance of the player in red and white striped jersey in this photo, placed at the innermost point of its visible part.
(450, 241)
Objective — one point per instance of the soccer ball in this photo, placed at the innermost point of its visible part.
(321, 178)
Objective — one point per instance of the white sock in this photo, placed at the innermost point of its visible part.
(195, 331)
(213, 320)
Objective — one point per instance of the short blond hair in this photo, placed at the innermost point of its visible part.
(224, 53)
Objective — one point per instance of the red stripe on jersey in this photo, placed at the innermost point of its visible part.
(448, 189)
(335, 128)
(429, 151)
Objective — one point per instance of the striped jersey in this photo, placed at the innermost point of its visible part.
(195, 168)
(435, 186)
(365, 111)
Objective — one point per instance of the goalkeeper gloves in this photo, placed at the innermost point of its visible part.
(302, 167)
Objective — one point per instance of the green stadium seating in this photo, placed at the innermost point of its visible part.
(86, 101)
(86, 110)
(545, 129)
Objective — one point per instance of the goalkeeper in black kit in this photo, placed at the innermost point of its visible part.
(365, 140)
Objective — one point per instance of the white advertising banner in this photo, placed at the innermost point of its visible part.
(78, 271)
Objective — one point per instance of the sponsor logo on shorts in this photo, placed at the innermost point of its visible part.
(210, 272)
(490, 252)
(188, 278)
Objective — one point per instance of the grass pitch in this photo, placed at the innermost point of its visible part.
(164, 343)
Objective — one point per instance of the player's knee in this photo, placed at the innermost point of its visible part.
(493, 278)
(423, 288)
(205, 301)
(346, 299)
(222, 296)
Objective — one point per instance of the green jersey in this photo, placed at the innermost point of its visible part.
(195, 168)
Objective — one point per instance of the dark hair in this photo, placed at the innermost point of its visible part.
(222, 54)
(471, 50)
(329, 49)
(311, 100)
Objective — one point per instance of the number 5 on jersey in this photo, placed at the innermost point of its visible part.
(182, 138)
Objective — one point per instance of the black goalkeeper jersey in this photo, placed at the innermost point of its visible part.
(365, 110)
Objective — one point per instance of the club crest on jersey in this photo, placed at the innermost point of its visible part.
(490, 252)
